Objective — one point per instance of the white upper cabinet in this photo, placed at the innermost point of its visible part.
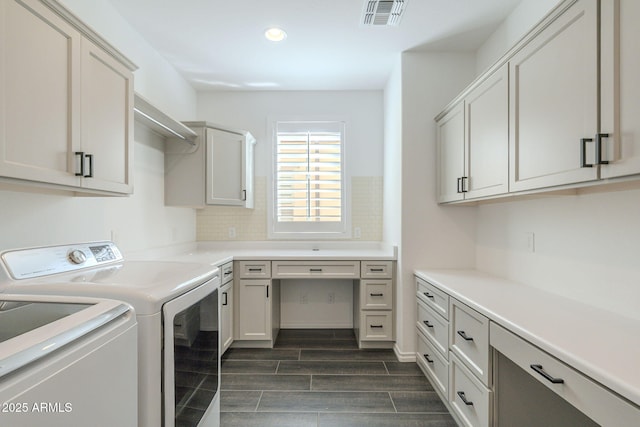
(473, 142)
(218, 170)
(554, 102)
(450, 145)
(65, 102)
(229, 159)
(620, 89)
(487, 137)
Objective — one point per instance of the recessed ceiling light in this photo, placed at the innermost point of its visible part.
(275, 34)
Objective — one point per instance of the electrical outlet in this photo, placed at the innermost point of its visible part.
(232, 232)
(357, 233)
(332, 297)
(304, 299)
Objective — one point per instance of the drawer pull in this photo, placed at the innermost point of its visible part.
(255, 269)
(428, 295)
(427, 324)
(426, 356)
(464, 336)
(377, 295)
(376, 270)
(317, 270)
(464, 398)
(227, 272)
(376, 326)
(226, 301)
(540, 370)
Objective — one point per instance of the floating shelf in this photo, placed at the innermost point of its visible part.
(155, 119)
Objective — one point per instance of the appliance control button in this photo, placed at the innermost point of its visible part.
(77, 256)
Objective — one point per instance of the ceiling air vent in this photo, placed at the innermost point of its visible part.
(380, 13)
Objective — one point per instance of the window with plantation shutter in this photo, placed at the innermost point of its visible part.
(309, 193)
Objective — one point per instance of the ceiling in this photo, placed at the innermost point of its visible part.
(219, 44)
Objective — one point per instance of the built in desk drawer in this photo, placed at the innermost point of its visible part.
(470, 339)
(377, 270)
(316, 269)
(436, 365)
(377, 325)
(255, 269)
(376, 294)
(469, 398)
(434, 327)
(433, 297)
(603, 406)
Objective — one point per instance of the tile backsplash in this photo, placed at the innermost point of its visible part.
(234, 223)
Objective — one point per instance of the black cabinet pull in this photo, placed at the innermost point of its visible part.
(376, 326)
(224, 294)
(377, 270)
(315, 270)
(90, 174)
(227, 272)
(464, 335)
(426, 322)
(255, 269)
(267, 291)
(464, 398)
(583, 153)
(377, 295)
(458, 189)
(426, 356)
(244, 195)
(81, 155)
(599, 160)
(540, 370)
(464, 186)
(428, 295)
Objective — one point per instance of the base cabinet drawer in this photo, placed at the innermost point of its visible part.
(433, 297)
(589, 397)
(433, 363)
(227, 273)
(470, 339)
(468, 397)
(376, 294)
(254, 269)
(376, 326)
(433, 326)
(316, 269)
(377, 270)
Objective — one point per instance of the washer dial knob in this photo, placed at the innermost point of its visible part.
(77, 256)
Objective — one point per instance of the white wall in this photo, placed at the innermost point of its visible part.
(140, 221)
(432, 236)
(586, 246)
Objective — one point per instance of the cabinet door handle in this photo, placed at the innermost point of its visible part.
(599, 160)
(458, 188)
(376, 326)
(228, 272)
(377, 295)
(267, 291)
(90, 174)
(464, 336)
(81, 155)
(428, 295)
(226, 302)
(316, 270)
(464, 187)
(539, 369)
(462, 397)
(376, 270)
(426, 356)
(255, 269)
(583, 153)
(426, 322)
(244, 195)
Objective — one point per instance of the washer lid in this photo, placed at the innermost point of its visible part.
(146, 285)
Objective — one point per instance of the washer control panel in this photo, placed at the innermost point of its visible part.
(37, 262)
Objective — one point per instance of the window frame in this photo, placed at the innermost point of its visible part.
(309, 230)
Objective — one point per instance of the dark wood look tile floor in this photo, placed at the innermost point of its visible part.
(319, 378)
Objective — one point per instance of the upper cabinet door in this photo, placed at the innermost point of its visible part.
(107, 121)
(450, 147)
(229, 168)
(487, 137)
(620, 88)
(39, 94)
(554, 102)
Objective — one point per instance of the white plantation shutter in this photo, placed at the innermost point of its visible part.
(309, 176)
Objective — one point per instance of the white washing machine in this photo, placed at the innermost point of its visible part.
(67, 361)
(177, 311)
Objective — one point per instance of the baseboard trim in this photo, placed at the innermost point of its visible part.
(402, 356)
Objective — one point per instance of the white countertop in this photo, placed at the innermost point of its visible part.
(217, 253)
(599, 343)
